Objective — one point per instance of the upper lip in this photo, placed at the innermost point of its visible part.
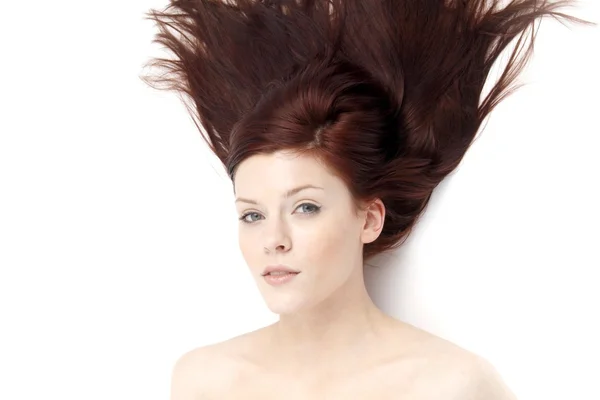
(283, 268)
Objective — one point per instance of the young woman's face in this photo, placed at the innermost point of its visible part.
(314, 230)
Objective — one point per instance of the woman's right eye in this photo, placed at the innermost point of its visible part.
(244, 219)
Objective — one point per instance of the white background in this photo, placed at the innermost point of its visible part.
(118, 246)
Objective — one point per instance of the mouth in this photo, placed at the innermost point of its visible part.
(278, 270)
(276, 278)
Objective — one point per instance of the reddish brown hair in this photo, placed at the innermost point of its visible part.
(385, 92)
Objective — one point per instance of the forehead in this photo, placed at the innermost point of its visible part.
(281, 171)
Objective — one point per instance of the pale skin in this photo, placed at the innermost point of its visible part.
(331, 340)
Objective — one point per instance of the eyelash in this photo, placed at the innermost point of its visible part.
(317, 209)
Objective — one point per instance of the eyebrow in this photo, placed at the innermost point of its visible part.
(287, 194)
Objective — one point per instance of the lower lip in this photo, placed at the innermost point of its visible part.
(279, 279)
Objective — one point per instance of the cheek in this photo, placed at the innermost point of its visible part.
(329, 244)
(249, 246)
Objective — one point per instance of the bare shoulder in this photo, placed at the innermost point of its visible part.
(485, 383)
(192, 374)
(444, 370)
(204, 372)
(467, 376)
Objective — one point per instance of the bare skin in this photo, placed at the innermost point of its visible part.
(404, 363)
(331, 340)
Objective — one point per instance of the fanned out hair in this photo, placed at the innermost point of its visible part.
(386, 93)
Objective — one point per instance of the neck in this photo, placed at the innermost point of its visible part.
(346, 323)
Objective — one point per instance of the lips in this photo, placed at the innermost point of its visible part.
(279, 270)
(277, 278)
(280, 273)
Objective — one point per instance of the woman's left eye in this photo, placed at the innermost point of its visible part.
(308, 209)
(311, 208)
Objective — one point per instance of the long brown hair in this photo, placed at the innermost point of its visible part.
(385, 92)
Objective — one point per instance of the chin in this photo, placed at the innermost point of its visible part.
(285, 303)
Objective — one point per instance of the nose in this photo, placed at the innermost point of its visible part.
(277, 238)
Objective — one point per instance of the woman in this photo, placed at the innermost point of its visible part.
(335, 121)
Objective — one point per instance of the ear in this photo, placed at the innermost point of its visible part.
(373, 223)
